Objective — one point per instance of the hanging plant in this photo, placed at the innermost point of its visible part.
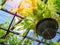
(36, 10)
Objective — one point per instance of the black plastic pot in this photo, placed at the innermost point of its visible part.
(47, 28)
(45, 1)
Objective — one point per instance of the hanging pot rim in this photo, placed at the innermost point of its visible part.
(52, 19)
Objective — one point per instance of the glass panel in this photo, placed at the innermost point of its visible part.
(5, 19)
